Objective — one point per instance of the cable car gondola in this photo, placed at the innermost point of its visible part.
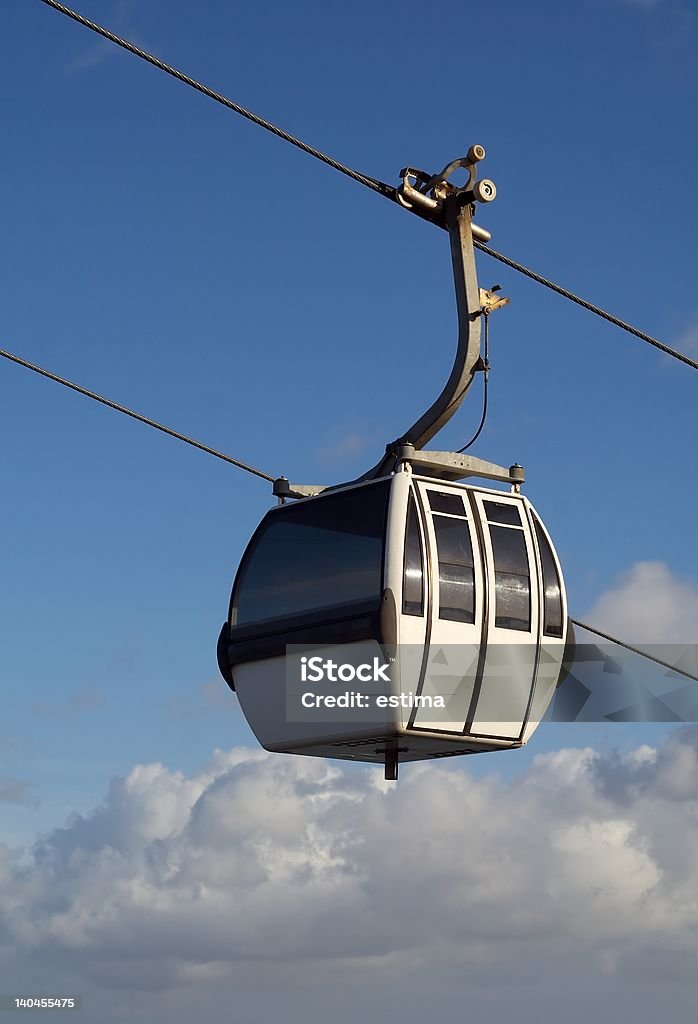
(460, 584)
(452, 591)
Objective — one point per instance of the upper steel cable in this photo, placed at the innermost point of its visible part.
(635, 650)
(587, 305)
(388, 191)
(134, 415)
(363, 179)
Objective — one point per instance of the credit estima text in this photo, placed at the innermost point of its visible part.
(317, 669)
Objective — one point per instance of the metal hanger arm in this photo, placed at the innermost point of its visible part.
(434, 198)
(458, 219)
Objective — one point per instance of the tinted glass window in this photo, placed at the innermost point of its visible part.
(452, 504)
(509, 549)
(501, 512)
(413, 578)
(552, 597)
(456, 574)
(453, 541)
(317, 554)
(456, 593)
(513, 607)
(511, 577)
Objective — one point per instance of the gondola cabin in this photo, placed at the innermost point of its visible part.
(441, 604)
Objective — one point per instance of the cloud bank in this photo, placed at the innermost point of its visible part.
(649, 605)
(269, 861)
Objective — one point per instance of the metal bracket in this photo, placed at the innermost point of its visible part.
(454, 466)
(490, 300)
(282, 489)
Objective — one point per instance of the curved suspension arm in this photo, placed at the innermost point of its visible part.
(458, 218)
(433, 198)
(456, 213)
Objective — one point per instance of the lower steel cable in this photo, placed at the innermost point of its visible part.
(134, 415)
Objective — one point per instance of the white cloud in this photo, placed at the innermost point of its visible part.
(68, 706)
(92, 57)
(688, 340)
(102, 50)
(260, 863)
(14, 791)
(346, 446)
(648, 605)
(7, 744)
(210, 697)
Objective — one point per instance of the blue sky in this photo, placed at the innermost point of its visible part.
(162, 251)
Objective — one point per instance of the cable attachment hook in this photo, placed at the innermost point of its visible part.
(427, 192)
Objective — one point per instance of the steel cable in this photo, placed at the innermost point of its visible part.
(363, 179)
(381, 187)
(587, 305)
(634, 650)
(134, 415)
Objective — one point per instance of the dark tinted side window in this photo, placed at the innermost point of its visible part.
(455, 555)
(413, 574)
(313, 555)
(451, 504)
(511, 570)
(552, 595)
(501, 512)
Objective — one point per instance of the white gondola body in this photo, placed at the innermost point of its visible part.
(458, 586)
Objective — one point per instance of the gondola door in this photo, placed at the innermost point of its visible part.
(407, 552)
(508, 670)
(455, 609)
